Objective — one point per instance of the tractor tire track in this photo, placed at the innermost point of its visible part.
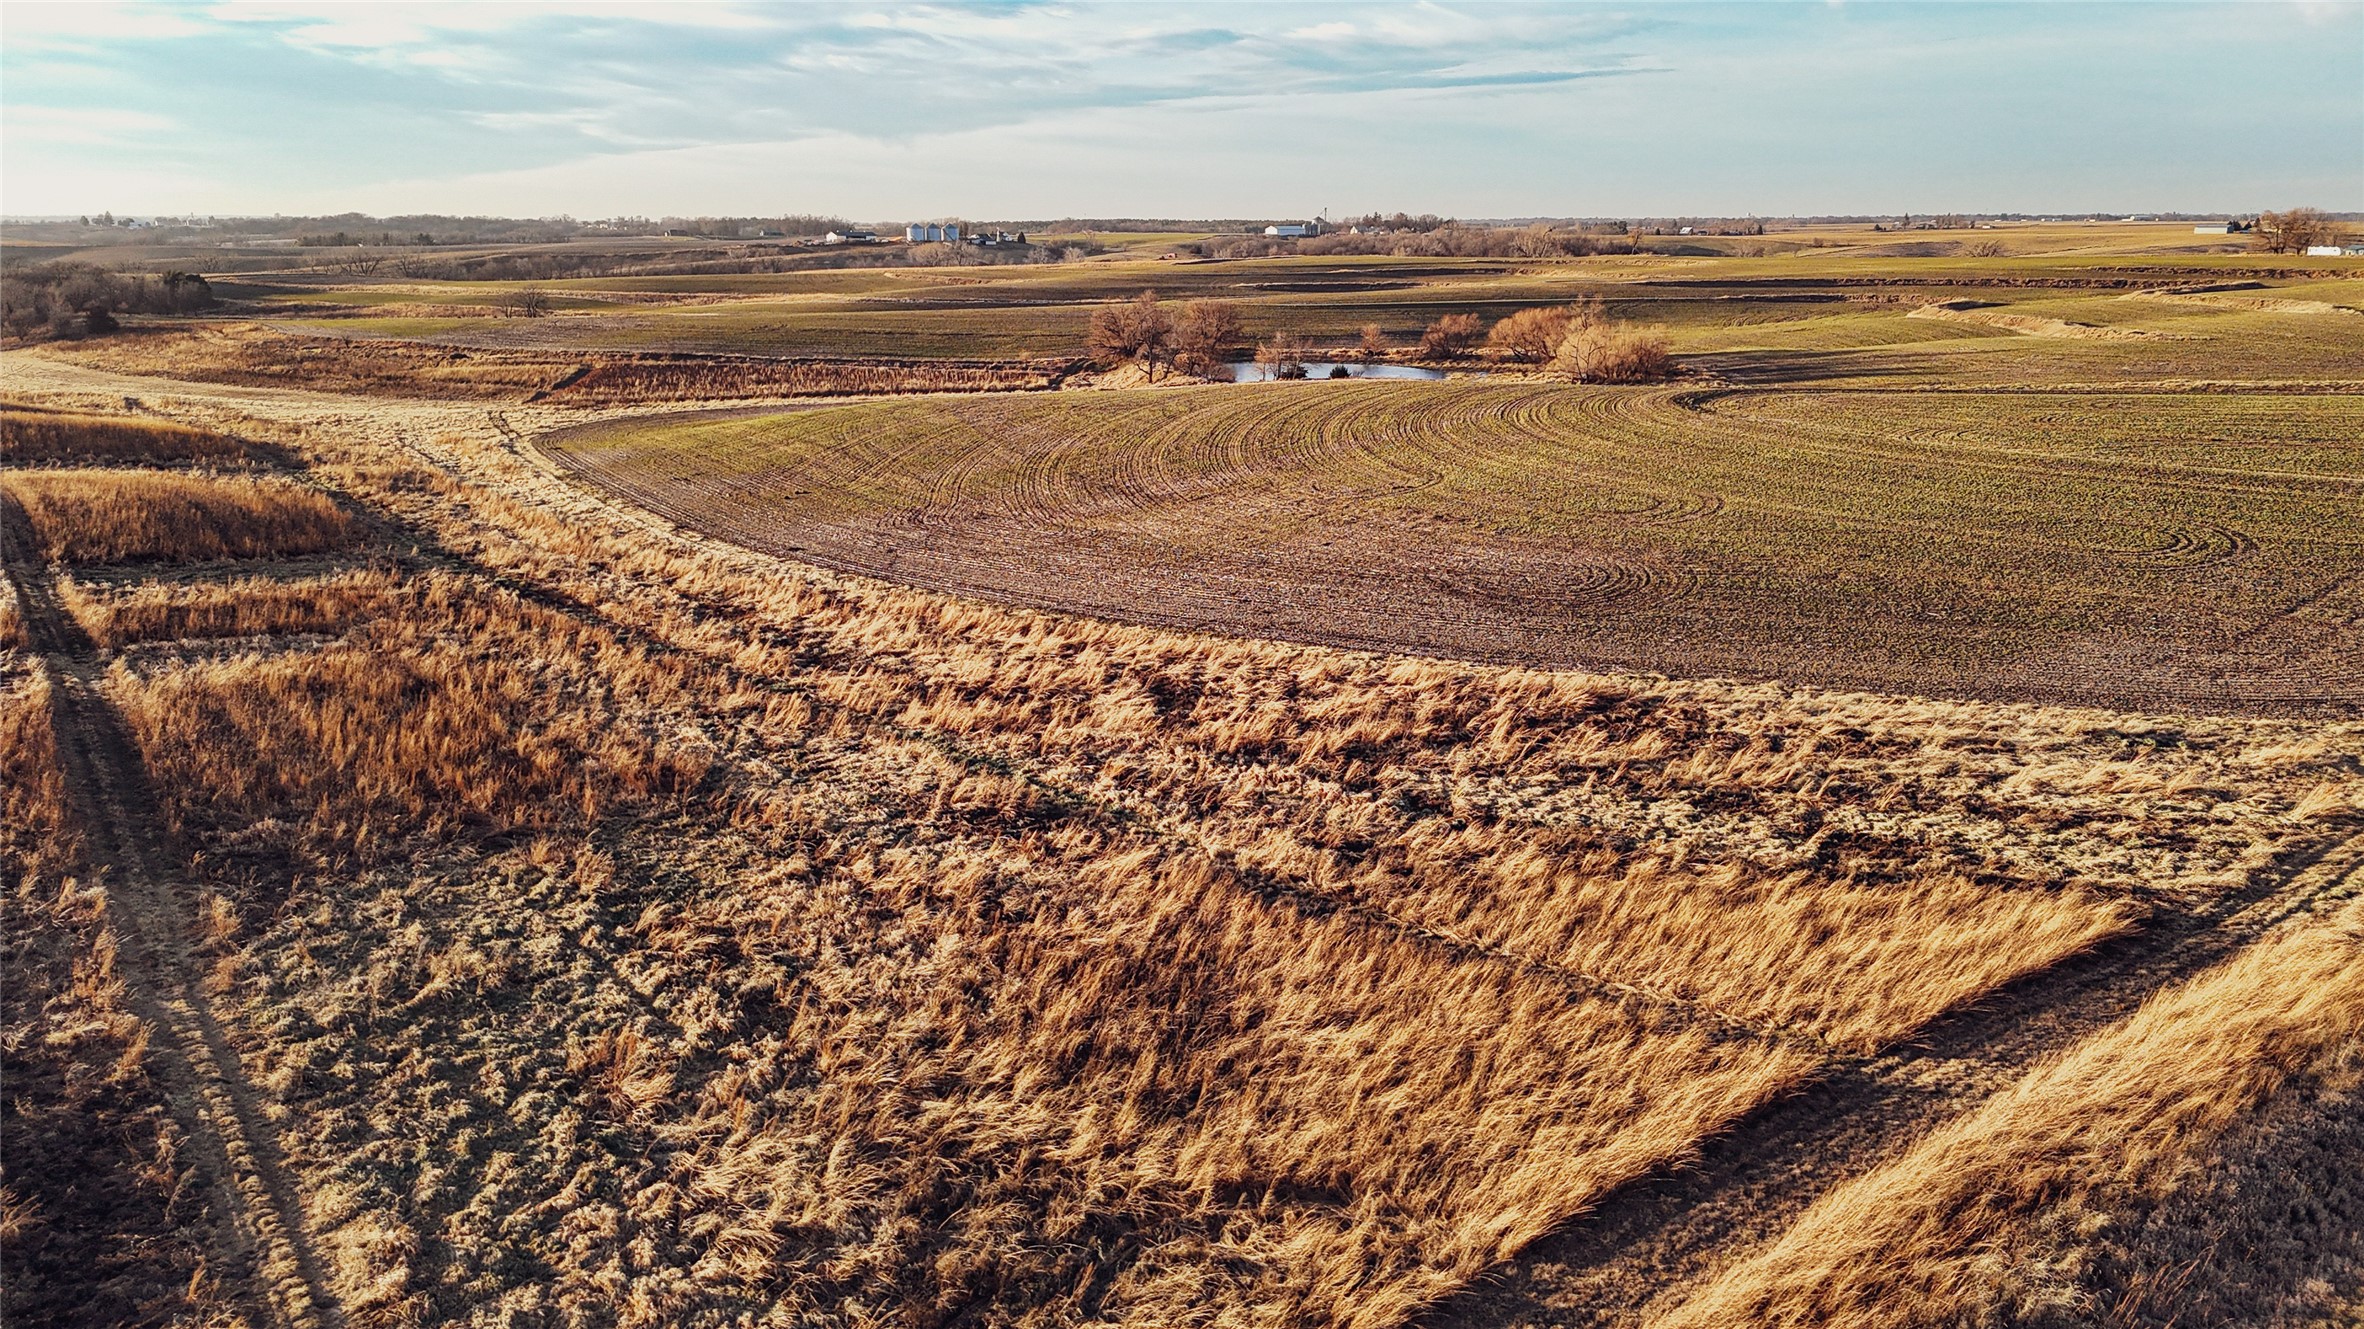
(235, 1147)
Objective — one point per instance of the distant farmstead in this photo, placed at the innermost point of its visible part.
(850, 237)
(1294, 230)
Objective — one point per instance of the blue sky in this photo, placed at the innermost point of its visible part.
(884, 111)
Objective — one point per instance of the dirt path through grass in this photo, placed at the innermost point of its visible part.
(219, 1111)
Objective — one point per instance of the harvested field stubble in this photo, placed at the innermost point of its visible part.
(116, 516)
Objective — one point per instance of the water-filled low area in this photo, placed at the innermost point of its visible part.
(1248, 371)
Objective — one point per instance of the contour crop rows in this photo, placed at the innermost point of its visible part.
(2128, 546)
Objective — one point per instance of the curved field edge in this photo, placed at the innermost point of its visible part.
(2159, 551)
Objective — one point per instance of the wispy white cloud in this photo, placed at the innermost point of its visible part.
(83, 126)
(876, 108)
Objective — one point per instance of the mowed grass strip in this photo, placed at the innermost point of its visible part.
(116, 516)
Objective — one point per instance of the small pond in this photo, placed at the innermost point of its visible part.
(1248, 371)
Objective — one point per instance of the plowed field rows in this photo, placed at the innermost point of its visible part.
(2132, 548)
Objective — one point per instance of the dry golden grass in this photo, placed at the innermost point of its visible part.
(864, 955)
(116, 616)
(100, 1222)
(457, 708)
(36, 437)
(115, 516)
(1965, 1228)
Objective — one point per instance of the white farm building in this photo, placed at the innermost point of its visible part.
(923, 233)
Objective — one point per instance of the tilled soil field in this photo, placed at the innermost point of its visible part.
(2116, 544)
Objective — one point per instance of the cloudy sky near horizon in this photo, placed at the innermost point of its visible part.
(876, 111)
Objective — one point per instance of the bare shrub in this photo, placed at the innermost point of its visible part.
(1598, 349)
(1530, 336)
(109, 516)
(1283, 355)
(1451, 337)
(1372, 344)
(526, 302)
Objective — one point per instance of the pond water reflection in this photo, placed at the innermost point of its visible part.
(1248, 371)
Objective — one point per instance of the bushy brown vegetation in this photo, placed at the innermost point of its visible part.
(1531, 336)
(1451, 337)
(1982, 1221)
(115, 516)
(1138, 330)
(36, 437)
(1597, 349)
(1207, 337)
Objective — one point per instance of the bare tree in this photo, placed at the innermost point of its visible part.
(2293, 232)
(1283, 356)
(1139, 331)
(1208, 335)
(527, 302)
(1373, 345)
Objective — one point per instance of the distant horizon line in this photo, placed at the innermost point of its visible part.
(1174, 223)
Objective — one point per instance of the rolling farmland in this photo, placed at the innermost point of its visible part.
(1866, 833)
(2125, 547)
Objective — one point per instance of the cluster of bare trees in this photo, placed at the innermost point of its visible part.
(76, 299)
(2293, 232)
(1200, 342)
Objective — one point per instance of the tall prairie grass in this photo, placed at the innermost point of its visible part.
(240, 607)
(38, 437)
(116, 516)
(459, 711)
(1967, 1226)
